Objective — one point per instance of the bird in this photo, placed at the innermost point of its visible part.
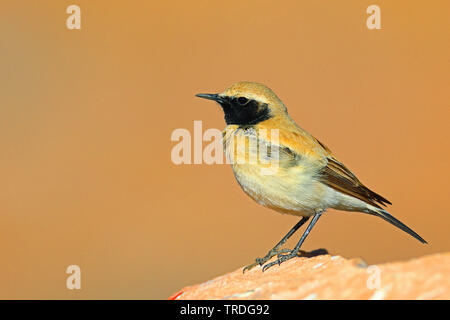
(307, 180)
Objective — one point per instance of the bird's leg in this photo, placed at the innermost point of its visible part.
(276, 250)
(293, 253)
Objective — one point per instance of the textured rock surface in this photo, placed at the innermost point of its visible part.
(331, 277)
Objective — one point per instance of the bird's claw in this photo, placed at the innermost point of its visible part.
(281, 258)
(249, 267)
(267, 257)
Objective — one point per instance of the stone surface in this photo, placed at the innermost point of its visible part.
(331, 277)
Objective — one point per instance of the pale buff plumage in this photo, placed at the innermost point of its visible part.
(294, 190)
(307, 180)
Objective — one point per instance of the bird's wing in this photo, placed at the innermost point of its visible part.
(331, 172)
(335, 175)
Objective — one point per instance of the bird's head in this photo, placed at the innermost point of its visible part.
(247, 103)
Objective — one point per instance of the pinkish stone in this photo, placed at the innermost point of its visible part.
(331, 277)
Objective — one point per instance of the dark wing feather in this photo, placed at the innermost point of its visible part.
(337, 176)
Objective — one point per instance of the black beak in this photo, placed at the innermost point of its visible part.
(210, 96)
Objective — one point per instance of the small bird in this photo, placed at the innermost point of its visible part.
(308, 180)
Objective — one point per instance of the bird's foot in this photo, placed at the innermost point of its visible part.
(267, 257)
(271, 254)
(281, 258)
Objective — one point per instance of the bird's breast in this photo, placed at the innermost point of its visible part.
(270, 173)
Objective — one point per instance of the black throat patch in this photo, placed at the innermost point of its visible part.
(242, 111)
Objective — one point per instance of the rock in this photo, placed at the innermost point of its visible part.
(331, 277)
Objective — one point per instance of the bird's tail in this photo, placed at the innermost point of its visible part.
(389, 218)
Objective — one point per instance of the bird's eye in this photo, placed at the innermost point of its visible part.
(242, 101)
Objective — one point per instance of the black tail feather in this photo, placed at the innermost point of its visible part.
(389, 218)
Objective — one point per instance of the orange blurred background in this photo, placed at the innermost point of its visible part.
(86, 118)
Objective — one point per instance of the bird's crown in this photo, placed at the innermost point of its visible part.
(254, 91)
